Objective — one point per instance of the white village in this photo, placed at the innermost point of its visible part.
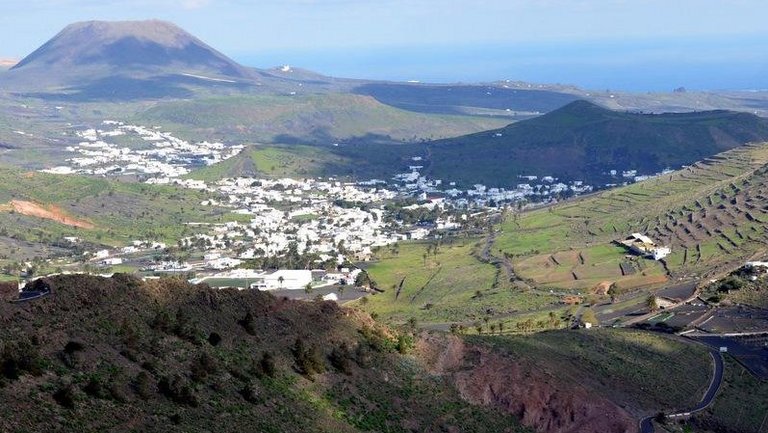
(331, 224)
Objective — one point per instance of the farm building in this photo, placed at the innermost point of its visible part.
(645, 246)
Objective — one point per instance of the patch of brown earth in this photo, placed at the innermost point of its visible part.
(50, 212)
(541, 400)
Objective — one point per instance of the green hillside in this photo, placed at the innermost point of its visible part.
(279, 161)
(445, 285)
(307, 118)
(584, 141)
(96, 210)
(712, 214)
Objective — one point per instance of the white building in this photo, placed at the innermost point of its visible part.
(645, 246)
(284, 280)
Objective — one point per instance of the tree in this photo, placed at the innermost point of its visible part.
(280, 281)
(652, 303)
(612, 292)
(307, 288)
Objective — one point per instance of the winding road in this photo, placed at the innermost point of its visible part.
(646, 424)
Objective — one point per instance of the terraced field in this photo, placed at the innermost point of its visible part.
(714, 215)
(588, 267)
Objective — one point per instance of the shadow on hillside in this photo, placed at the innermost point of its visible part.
(446, 99)
(118, 88)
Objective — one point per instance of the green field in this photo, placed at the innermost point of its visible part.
(450, 286)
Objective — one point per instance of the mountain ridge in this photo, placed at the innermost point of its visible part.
(584, 141)
(121, 44)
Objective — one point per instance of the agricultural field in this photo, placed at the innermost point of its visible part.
(645, 371)
(713, 214)
(586, 268)
(451, 285)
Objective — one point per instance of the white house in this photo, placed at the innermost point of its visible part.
(645, 246)
(284, 279)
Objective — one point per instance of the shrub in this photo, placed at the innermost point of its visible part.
(248, 323)
(66, 396)
(250, 393)
(73, 346)
(95, 388)
(341, 359)
(730, 283)
(20, 357)
(203, 366)
(265, 366)
(214, 339)
(178, 389)
(404, 343)
(308, 359)
(144, 385)
(377, 339)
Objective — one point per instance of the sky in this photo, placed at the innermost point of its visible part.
(639, 45)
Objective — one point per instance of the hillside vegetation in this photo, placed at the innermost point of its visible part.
(276, 161)
(308, 119)
(121, 355)
(99, 211)
(713, 214)
(583, 141)
(442, 285)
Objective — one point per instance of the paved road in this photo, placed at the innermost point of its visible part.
(646, 424)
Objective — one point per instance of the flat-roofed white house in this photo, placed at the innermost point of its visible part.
(645, 246)
(284, 279)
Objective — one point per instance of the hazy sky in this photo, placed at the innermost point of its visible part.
(638, 44)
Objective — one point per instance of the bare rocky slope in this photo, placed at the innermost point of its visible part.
(541, 400)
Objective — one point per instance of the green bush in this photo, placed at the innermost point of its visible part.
(308, 359)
